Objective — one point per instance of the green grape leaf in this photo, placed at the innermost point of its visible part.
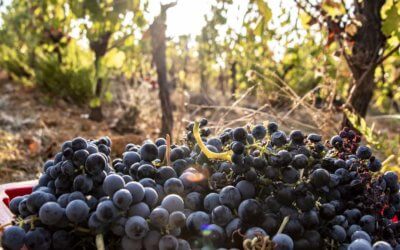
(392, 22)
(95, 102)
(108, 96)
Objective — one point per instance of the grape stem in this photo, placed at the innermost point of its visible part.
(225, 156)
(100, 242)
(168, 150)
(82, 229)
(5, 225)
(301, 173)
(283, 225)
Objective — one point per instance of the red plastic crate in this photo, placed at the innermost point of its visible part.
(9, 191)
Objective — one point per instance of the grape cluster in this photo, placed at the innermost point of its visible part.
(247, 188)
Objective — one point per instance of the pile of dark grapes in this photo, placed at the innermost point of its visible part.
(247, 188)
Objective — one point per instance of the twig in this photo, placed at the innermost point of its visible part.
(391, 52)
(168, 150)
(283, 225)
(119, 42)
(236, 103)
(100, 242)
(5, 225)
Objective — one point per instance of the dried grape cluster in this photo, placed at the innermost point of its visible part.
(247, 188)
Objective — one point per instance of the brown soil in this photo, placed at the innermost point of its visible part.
(32, 126)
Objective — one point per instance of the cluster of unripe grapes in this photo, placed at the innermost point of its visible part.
(247, 188)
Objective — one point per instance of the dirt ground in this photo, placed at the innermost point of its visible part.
(32, 127)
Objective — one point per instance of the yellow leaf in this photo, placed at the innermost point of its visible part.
(264, 9)
(333, 8)
(259, 27)
(351, 29)
(95, 102)
(305, 19)
(114, 59)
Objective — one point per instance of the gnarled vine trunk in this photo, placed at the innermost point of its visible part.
(99, 47)
(158, 43)
(368, 43)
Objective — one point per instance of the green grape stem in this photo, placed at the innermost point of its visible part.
(225, 156)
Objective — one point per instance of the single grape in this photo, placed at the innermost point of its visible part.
(148, 152)
(360, 244)
(76, 196)
(168, 242)
(183, 245)
(151, 240)
(211, 201)
(35, 200)
(381, 245)
(62, 240)
(159, 217)
(112, 183)
(254, 232)
(214, 234)
(239, 134)
(320, 177)
(122, 199)
(177, 219)
(50, 213)
(77, 211)
(95, 164)
(173, 186)
(118, 226)
(278, 138)
(221, 215)
(136, 228)
(37, 239)
(176, 153)
(230, 196)
(79, 157)
(194, 201)
(131, 244)
(363, 152)
(95, 224)
(368, 223)
(14, 203)
(83, 183)
(250, 211)
(196, 221)
(23, 208)
(164, 174)
(283, 242)
(232, 226)
(139, 209)
(360, 235)
(13, 238)
(150, 197)
(78, 143)
(259, 132)
(338, 233)
(172, 203)
(137, 191)
(336, 141)
(246, 189)
(106, 211)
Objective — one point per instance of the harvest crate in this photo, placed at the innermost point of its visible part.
(9, 191)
